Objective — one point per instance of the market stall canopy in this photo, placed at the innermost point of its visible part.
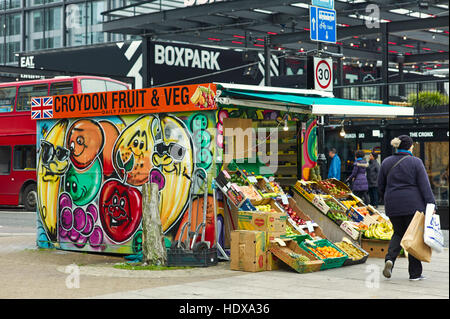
(305, 101)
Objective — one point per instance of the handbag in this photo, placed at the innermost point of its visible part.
(413, 241)
(432, 235)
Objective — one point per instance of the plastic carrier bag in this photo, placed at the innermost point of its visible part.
(432, 235)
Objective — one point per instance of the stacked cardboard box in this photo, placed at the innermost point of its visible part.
(248, 250)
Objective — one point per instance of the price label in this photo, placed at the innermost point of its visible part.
(310, 226)
(284, 200)
(252, 179)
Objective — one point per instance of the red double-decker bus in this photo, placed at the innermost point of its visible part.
(18, 131)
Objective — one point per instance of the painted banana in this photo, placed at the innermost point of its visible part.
(52, 164)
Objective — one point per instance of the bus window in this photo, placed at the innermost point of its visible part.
(26, 92)
(61, 88)
(114, 86)
(5, 160)
(24, 157)
(92, 85)
(7, 98)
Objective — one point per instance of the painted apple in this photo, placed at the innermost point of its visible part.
(120, 210)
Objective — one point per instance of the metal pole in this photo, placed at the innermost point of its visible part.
(384, 63)
(267, 80)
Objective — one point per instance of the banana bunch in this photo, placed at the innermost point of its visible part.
(52, 164)
(383, 231)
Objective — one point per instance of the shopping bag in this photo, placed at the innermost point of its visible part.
(432, 234)
(413, 241)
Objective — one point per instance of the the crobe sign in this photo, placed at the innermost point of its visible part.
(189, 3)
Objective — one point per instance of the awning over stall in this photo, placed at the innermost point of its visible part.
(308, 101)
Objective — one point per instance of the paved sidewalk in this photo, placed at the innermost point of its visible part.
(27, 272)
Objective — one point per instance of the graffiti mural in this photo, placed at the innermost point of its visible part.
(91, 173)
(309, 147)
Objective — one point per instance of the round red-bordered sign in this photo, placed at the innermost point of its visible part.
(322, 79)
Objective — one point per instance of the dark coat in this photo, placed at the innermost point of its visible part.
(407, 188)
(359, 176)
(372, 173)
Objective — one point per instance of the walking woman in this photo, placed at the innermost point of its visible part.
(404, 183)
(360, 186)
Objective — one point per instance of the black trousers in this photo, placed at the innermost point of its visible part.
(400, 224)
(373, 194)
(363, 195)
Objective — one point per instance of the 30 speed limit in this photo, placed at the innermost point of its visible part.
(323, 74)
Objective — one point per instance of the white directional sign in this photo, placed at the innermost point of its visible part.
(323, 74)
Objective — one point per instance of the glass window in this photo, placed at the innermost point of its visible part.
(113, 86)
(26, 92)
(11, 49)
(92, 85)
(24, 157)
(76, 24)
(5, 160)
(7, 99)
(61, 88)
(13, 24)
(94, 17)
(436, 164)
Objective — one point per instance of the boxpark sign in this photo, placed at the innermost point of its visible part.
(152, 100)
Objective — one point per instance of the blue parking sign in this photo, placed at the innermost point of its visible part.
(322, 24)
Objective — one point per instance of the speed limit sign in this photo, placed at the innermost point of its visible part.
(323, 74)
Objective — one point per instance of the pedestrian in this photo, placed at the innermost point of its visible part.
(404, 183)
(335, 166)
(358, 178)
(372, 178)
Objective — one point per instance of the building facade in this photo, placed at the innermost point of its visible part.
(32, 25)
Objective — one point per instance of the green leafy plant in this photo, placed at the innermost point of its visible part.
(427, 99)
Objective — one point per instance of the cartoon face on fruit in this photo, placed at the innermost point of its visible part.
(120, 210)
(83, 186)
(52, 164)
(173, 157)
(131, 153)
(85, 141)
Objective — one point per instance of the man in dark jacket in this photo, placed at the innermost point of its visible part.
(406, 189)
(372, 178)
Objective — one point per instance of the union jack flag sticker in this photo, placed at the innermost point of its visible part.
(41, 108)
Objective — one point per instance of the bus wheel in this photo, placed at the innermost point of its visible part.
(30, 197)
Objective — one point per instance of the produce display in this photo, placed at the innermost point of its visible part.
(334, 206)
(236, 179)
(290, 231)
(363, 211)
(264, 208)
(383, 231)
(348, 203)
(314, 174)
(326, 252)
(332, 188)
(310, 188)
(301, 258)
(352, 252)
(250, 193)
(337, 216)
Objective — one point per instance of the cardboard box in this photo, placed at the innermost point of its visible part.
(375, 248)
(248, 250)
(283, 251)
(273, 262)
(270, 236)
(263, 221)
